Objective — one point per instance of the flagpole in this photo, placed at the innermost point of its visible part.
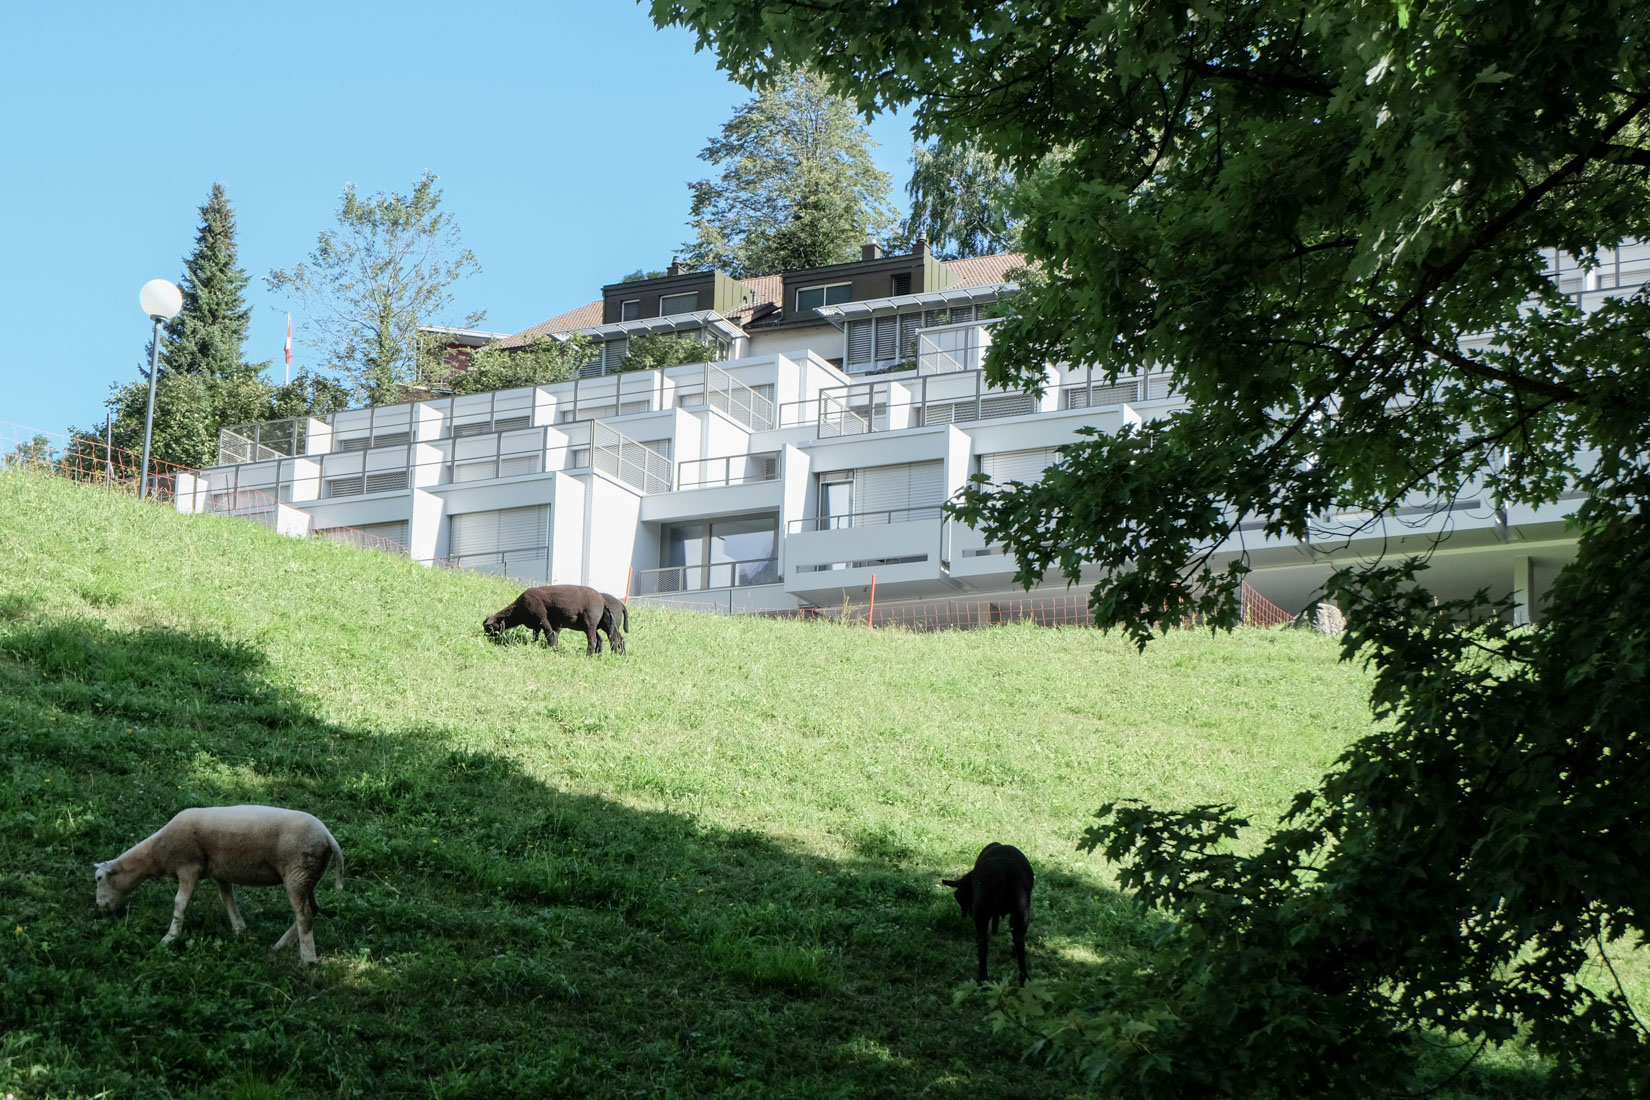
(288, 349)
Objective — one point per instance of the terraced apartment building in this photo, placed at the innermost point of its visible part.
(838, 408)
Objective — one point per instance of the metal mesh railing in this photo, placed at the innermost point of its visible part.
(619, 456)
(706, 473)
(708, 575)
(728, 395)
(262, 441)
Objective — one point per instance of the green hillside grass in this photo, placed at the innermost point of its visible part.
(707, 868)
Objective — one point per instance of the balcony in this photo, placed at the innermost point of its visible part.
(748, 469)
(708, 575)
(824, 554)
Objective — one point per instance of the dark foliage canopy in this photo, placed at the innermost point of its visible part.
(1329, 221)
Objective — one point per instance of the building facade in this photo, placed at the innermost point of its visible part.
(837, 410)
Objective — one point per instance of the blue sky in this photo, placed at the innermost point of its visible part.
(563, 134)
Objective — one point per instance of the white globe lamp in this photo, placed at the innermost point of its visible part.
(161, 301)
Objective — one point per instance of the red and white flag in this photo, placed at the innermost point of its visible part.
(289, 347)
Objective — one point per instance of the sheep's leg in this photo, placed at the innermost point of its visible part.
(592, 641)
(187, 878)
(615, 639)
(979, 939)
(1017, 925)
(226, 891)
(301, 893)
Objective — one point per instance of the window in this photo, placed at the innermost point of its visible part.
(630, 310)
(671, 304)
(499, 535)
(726, 553)
(836, 501)
(900, 283)
(1026, 467)
(815, 296)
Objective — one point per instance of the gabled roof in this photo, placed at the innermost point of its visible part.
(984, 270)
(585, 316)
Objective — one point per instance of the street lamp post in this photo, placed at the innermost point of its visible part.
(161, 301)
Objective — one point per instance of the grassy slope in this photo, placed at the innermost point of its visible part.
(709, 867)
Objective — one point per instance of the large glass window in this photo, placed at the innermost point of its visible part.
(672, 304)
(815, 296)
(631, 310)
(725, 553)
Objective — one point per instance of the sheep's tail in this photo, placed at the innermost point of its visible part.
(338, 864)
(626, 617)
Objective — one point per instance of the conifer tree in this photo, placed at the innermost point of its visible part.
(207, 337)
(205, 381)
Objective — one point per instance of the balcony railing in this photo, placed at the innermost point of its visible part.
(947, 349)
(694, 578)
(638, 466)
(864, 519)
(705, 473)
(262, 441)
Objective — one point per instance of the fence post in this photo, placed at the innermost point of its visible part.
(871, 612)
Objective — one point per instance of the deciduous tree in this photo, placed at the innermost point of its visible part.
(367, 286)
(960, 201)
(538, 364)
(665, 350)
(1329, 222)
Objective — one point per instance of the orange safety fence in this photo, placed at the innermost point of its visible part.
(1066, 609)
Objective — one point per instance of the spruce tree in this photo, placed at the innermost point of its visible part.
(205, 382)
(207, 337)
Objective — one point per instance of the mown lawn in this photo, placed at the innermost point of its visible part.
(708, 868)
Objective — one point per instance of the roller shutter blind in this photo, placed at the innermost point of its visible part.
(860, 339)
(887, 336)
(499, 531)
(1023, 466)
(908, 325)
(883, 493)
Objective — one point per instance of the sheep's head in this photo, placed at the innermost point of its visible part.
(493, 625)
(114, 882)
(965, 891)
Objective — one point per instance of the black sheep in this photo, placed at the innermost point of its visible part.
(616, 613)
(999, 885)
(551, 608)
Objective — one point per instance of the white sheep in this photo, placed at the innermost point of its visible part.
(232, 845)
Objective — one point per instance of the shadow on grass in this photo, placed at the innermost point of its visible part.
(496, 936)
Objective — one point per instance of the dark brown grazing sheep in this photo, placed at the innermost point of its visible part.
(616, 613)
(999, 885)
(551, 608)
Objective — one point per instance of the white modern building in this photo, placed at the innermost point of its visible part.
(839, 409)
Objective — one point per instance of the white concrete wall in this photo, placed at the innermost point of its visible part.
(612, 514)
(427, 528)
(567, 518)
